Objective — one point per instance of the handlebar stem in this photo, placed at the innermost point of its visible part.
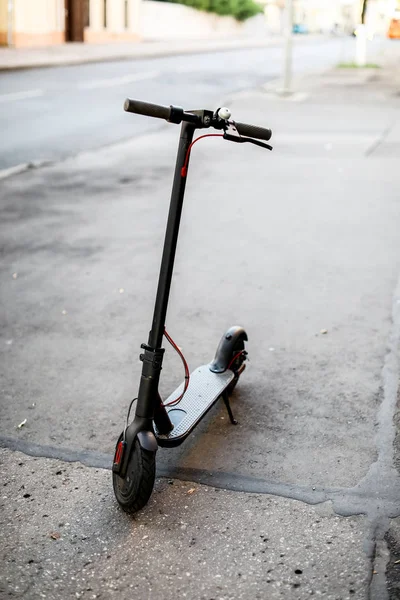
(171, 238)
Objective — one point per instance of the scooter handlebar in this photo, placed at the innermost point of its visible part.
(253, 131)
(148, 109)
(167, 113)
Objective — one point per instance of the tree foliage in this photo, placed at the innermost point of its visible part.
(240, 9)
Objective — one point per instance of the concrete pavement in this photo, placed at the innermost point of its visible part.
(80, 53)
(192, 541)
(75, 53)
(302, 498)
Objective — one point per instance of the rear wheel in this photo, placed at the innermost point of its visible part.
(134, 490)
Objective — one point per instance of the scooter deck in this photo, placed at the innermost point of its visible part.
(205, 387)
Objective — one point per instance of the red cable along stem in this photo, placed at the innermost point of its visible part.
(234, 358)
(185, 365)
(166, 334)
(186, 368)
(185, 166)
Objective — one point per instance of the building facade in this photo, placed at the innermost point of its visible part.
(49, 22)
(109, 20)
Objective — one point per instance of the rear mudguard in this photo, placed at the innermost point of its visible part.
(225, 348)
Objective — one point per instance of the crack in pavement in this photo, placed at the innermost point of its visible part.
(377, 582)
(217, 479)
(382, 479)
(380, 140)
(346, 502)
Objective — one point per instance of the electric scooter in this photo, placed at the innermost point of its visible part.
(169, 423)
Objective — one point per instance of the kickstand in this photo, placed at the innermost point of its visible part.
(225, 398)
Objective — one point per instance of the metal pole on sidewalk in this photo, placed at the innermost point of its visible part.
(288, 32)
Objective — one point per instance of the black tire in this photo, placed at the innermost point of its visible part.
(236, 365)
(134, 490)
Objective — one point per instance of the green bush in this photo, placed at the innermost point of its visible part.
(240, 9)
(246, 9)
(223, 7)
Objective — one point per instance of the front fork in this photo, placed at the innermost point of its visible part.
(149, 405)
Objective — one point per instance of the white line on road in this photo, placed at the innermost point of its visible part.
(21, 95)
(113, 81)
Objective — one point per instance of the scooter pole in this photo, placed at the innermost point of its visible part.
(149, 404)
(171, 238)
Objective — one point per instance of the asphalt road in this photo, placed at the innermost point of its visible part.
(48, 114)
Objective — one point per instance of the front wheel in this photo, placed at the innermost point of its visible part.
(134, 490)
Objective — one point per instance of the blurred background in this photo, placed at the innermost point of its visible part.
(233, 45)
(24, 23)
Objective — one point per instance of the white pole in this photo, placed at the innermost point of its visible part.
(361, 46)
(288, 33)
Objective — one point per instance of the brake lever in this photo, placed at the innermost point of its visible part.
(252, 141)
(232, 135)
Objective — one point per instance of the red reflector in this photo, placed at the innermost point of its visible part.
(119, 452)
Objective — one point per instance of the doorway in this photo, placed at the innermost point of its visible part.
(76, 19)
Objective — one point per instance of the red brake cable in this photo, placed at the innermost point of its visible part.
(166, 334)
(185, 366)
(185, 166)
(240, 353)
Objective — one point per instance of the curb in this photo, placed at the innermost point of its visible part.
(159, 53)
(22, 167)
(141, 54)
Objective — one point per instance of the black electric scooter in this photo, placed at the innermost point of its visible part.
(169, 423)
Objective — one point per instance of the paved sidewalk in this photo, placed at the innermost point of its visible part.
(77, 53)
(64, 537)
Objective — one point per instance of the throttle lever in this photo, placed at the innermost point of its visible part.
(232, 135)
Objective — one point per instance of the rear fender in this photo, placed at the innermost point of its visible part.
(225, 349)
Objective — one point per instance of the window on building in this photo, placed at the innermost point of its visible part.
(105, 13)
(126, 14)
(86, 13)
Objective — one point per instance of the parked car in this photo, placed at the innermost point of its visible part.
(300, 28)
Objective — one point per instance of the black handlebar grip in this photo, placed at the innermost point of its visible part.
(145, 108)
(253, 131)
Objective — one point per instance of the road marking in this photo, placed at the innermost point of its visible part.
(21, 95)
(113, 81)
